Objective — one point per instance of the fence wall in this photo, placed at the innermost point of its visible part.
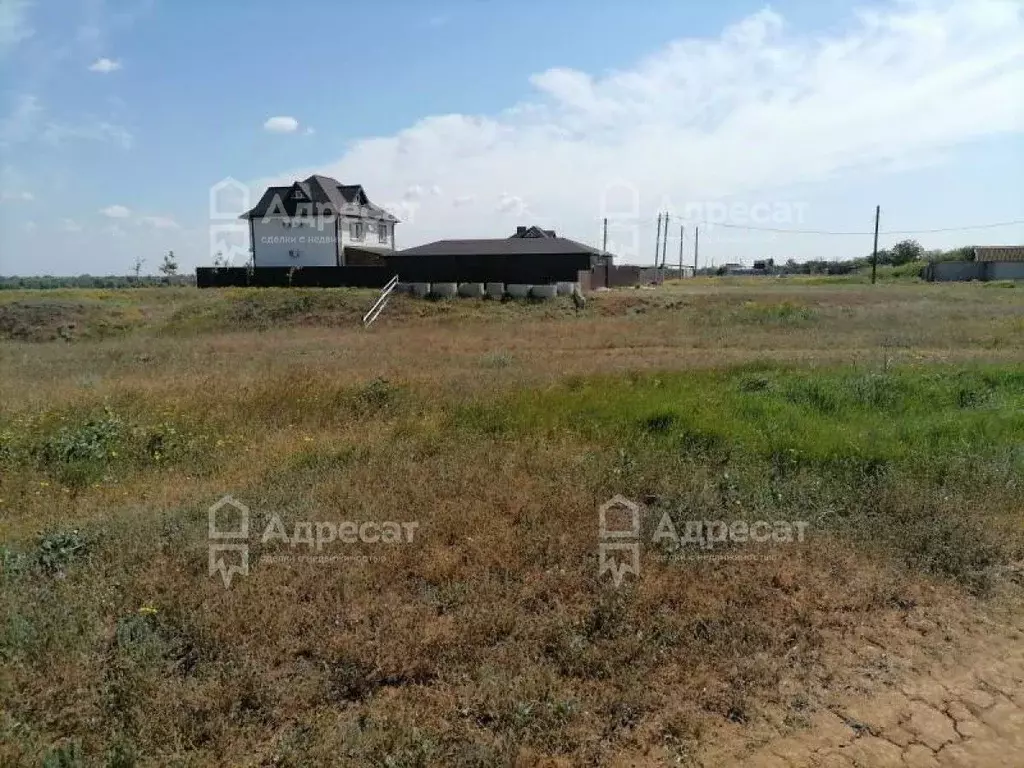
(283, 277)
(622, 275)
(530, 269)
(527, 269)
(1005, 270)
(952, 271)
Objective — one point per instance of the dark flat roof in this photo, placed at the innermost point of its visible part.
(502, 246)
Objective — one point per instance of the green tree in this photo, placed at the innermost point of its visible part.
(169, 267)
(906, 251)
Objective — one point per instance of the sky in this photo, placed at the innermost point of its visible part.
(467, 118)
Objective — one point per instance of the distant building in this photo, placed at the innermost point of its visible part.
(999, 253)
(531, 255)
(988, 262)
(319, 222)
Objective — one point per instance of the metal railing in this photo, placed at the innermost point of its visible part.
(382, 301)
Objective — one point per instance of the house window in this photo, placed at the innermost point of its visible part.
(355, 230)
(382, 232)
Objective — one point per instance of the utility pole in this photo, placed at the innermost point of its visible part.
(665, 245)
(874, 253)
(604, 255)
(681, 228)
(657, 242)
(696, 248)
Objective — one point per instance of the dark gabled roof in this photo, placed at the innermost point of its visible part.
(353, 193)
(318, 195)
(999, 253)
(533, 232)
(505, 246)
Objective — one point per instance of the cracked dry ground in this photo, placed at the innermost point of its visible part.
(963, 711)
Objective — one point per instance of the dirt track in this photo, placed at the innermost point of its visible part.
(967, 712)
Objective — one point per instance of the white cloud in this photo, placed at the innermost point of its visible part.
(281, 124)
(70, 225)
(14, 24)
(30, 226)
(309, 131)
(159, 222)
(758, 108)
(511, 204)
(11, 195)
(105, 65)
(57, 134)
(116, 212)
(21, 122)
(25, 123)
(463, 200)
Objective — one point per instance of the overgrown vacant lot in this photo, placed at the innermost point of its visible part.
(888, 419)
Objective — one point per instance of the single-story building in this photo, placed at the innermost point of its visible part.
(989, 262)
(531, 256)
(999, 253)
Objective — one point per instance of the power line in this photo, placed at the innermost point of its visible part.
(868, 232)
(952, 229)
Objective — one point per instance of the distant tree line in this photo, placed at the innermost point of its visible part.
(135, 279)
(905, 252)
(93, 281)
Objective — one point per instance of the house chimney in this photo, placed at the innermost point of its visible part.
(520, 231)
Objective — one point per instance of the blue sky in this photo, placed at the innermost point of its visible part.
(468, 118)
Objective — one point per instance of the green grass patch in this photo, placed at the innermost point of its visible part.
(909, 416)
(921, 462)
(78, 447)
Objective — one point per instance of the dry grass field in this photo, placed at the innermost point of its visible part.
(887, 420)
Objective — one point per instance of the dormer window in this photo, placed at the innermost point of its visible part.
(355, 230)
(382, 232)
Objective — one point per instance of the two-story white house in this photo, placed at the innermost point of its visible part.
(319, 222)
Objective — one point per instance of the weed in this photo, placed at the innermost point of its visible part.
(660, 423)
(376, 395)
(58, 550)
(500, 359)
(783, 313)
(65, 756)
(753, 383)
(95, 440)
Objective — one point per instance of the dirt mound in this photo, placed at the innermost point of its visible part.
(40, 320)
